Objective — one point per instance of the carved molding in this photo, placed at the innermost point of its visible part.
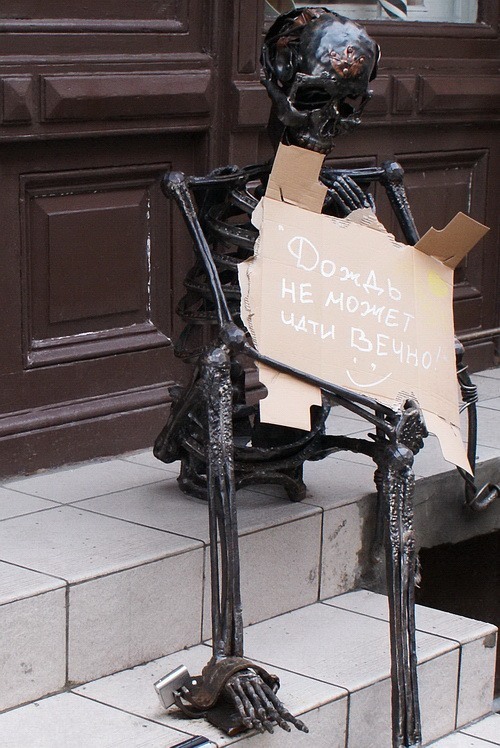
(395, 94)
(171, 16)
(17, 99)
(249, 19)
(381, 101)
(108, 96)
(404, 95)
(61, 414)
(91, 345)
(252, 104)
(459, 94)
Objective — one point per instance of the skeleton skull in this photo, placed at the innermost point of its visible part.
(316, 67)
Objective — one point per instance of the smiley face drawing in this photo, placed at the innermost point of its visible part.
(368, 385)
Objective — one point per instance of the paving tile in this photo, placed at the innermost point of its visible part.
(342, 421)
(359, 459)
(493, 403)
(70, 721)
(147, 458)
(348, 533)
(279, 570)
(13, 504)
(32, 648)
(370, 708)
(164, 506)
(460, 740)
(369, 715)
(486, 729)
(16, 583)
(477, 679)
(477, 657)
(333, 645)
(488, 427)
(327, 729)
(84, 481)
(431, 620)
(33, 635)
(487, 387)
(133, 691)
(130, 617)
(438, 685)
(491, 373)
(76, 545)
(333, 482)
(430, 461)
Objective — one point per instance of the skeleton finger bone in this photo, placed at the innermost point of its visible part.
(237, 685)
(363, 198)
(347, 193)
(231, 692)
(353, 189)
(273, 714)
(259, 706)
(283, 711)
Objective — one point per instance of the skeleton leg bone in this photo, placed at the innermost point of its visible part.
(397, 482)
(231, 692)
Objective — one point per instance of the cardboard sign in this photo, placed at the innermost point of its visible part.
(342, 300)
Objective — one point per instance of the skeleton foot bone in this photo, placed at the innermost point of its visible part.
(234, 692)
(257, 703)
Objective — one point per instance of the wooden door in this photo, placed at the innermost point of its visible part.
(97, 101)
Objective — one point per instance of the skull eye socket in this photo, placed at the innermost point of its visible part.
(349, 106)
(309, 98)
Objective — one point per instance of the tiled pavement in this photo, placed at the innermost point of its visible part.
(481, 734)
(333, 662)
(102, 567)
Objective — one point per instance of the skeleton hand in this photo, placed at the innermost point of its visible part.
(345, 194)
(257, 703)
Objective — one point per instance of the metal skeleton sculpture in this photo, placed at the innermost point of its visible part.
(317, 68)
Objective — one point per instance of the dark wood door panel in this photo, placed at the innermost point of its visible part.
(93, 254)
(89, 242)
(440, 184)
(96, 96)
(108, 27)
(68, 98)
(100, 258)
(104, 11)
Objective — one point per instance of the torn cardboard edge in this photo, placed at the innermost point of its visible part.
(294, 180)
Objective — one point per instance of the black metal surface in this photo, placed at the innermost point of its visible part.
(219, 439)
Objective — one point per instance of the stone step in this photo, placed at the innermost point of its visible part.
(333, 661)
(484, 733)
(103, 566)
